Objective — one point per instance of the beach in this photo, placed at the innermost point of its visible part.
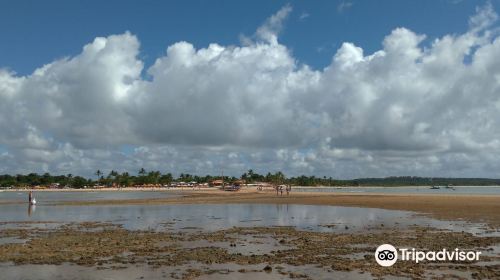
(212, 234)
(474, 208)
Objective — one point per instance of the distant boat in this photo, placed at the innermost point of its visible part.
(435, 188)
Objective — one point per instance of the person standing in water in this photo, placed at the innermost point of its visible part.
(30, 196)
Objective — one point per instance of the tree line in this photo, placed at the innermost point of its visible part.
(144, 177)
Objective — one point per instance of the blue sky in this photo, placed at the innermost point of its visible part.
(36, 32)
(330, 88)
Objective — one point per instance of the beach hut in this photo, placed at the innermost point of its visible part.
(216, 183)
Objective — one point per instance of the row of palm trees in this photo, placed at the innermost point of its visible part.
(125, 179)
(156, 177)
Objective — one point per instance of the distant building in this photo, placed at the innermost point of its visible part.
(216, 183)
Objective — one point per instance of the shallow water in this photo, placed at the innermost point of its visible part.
(206, 217)
(479, 190)
(218, 271)
(221, 216)
(202, 217)
(46, 197)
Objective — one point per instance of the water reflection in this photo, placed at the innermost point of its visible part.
(31, 209)
(495, 190)
(220, 216)
(217, 272)
(58, 196)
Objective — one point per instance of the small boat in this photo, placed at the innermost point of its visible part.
(435, 188)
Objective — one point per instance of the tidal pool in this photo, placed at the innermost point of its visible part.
(47, 197)
(199, 219)
(225, 271)
(211, 217)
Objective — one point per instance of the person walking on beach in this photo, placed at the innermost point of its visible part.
(277, 190)
(288, 189)
(281, 190)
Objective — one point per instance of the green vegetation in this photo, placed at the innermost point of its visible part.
(144, 177)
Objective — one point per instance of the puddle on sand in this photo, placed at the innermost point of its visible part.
(75, 272)
(448, 274)
(11, 240)
(245, 245)
(280, 271)
(223, 216)
(195, 270)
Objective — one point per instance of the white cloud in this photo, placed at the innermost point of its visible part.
(304, 16)
(270, 29)
(344, 6)
(485, 16)
(405, 109)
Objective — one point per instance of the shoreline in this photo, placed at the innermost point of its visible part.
(245, 188)
(472, 208)
(256, 250)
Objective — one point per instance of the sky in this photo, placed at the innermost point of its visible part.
(345, 89)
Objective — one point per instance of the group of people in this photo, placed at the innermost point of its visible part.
(279, 189)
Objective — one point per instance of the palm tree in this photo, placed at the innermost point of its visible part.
(98, 173)
(280, 177)
(69, 178)
(166, 179)
(250, 175)
(142, 172)
(153, 177)
(124, 179)
(113, 176)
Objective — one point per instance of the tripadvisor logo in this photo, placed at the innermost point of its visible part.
(387, 255)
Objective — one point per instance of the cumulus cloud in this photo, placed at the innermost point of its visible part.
(406, 109)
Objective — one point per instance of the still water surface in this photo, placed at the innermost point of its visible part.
(60, 196)
(207, 217)
(195, 217)
(461, 190)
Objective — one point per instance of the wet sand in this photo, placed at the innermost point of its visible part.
(472, 208)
